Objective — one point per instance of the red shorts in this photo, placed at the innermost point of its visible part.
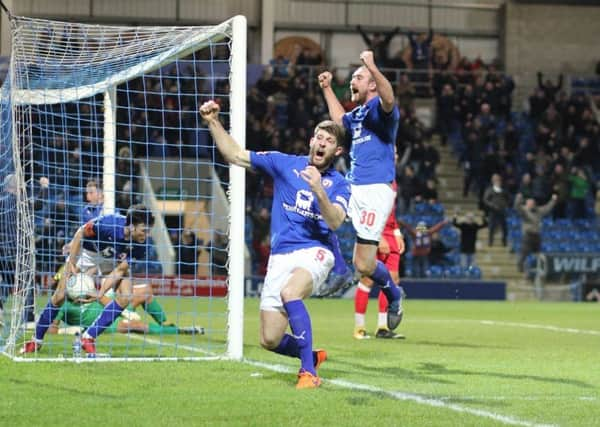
(391, 260)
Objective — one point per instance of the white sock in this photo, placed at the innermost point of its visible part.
(359, 320)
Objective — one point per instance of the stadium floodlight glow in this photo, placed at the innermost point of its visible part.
(119, 105)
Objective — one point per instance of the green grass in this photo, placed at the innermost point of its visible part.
(498, 358)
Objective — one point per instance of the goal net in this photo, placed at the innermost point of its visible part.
(96, 119)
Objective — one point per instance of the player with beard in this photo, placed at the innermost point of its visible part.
(310, 200)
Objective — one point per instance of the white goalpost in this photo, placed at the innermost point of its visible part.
(116, 108)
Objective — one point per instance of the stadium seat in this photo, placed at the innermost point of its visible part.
(435, 272)
(473, 272)
(453, 272)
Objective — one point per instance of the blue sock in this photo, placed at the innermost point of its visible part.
(302, 333)
(381, 277)
(46, 318)
(288, 346)
(108, 315)
(339, 267)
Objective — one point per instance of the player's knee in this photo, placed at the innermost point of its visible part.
(290, 293)
(142, 294)
(123, 300)
(57, 301)
(364, 266)
(58, 297)
(269, 343)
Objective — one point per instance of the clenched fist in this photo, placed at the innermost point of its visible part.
(366, 56)
(210, 110)
(325, 79)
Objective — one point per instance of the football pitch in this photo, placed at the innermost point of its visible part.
(461, 364)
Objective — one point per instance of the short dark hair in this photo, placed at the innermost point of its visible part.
(334, 129)
(94, 183)
(139, 214)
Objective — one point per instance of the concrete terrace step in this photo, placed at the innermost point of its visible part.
(496, 262)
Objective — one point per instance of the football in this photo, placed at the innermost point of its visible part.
(80, 285)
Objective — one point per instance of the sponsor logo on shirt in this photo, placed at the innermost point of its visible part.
(357, 131)
(303, 206)
(304, 199)
(365, 138)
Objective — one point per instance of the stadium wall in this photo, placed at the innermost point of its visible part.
(555, 38)
(482, 290)
(455, 289)
(474, 27)
(552, 38)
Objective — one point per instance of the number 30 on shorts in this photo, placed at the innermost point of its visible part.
(367, 217)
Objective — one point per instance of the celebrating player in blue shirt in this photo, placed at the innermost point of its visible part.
(373, 126)
(310, 200)
(94, 197)
(96, 247)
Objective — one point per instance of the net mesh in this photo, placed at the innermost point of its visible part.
(113, 111)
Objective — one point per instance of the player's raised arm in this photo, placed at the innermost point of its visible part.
(230, 149)
(384, 87)
(336, 111)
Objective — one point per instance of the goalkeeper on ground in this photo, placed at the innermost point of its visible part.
(77, 316)
(104, 245)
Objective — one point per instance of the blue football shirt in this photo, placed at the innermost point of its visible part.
(373, 134)
(90, 211)
(296, 221)
(106, 235)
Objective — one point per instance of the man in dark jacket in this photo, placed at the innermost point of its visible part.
(468, 237)
(496, 201)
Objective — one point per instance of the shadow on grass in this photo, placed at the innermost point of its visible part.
(458, 345)
(438, 369)
(77, 391)
(370, 368)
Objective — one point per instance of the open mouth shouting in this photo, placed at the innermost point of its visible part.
(319, 155)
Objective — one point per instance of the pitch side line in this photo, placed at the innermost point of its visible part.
(514, 324)
(545, 327)
(398, 395)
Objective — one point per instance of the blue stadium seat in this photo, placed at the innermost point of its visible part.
(473, 272)
(549, 245)
(437, 209)
(453, 272)
(435, 272)
(420, 209)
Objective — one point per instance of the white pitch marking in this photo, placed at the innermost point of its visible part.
(545, 327)
(394, 394)
(513, 324)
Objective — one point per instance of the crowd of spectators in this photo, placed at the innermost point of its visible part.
(551, 150)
